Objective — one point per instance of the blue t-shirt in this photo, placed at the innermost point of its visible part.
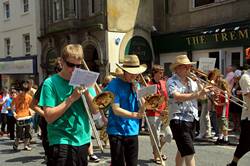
(8, 104)
(126, 98)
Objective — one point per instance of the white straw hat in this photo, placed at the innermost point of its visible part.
(181, 60)
(132, 65)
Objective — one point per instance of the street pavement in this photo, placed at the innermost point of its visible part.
(207, 154)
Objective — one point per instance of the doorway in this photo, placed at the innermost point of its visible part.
(91, 58)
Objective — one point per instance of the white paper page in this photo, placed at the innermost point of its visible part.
(207, 64)
(83, 77)
(145, 91)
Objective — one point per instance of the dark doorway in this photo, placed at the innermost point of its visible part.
(217, 56)
(91, 57)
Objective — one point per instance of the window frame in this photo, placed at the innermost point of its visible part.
(57, 12)
(63, 9)
(25, 6)
(7, 46)
(6, 11)
(216, 3)
(93, 7)
(27, 44)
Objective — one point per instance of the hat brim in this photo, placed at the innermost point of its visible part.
(134, 70)
(174, 65)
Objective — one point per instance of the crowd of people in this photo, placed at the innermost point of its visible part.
(195, 106)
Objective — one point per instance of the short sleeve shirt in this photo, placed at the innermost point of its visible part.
(72, 128)
(186, 110)
(245, 87)
(22, 104)
(126, 98)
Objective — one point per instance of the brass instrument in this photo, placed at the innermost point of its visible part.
(164, 118)
(103, 100)
(92, 123)
(232, 98)
(152, 102)
(148, 124)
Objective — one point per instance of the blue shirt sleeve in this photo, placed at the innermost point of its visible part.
(112, 86)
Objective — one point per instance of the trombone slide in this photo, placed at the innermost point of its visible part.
(92, 123)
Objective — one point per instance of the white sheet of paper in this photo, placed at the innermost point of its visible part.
(83, 77)
(206, 64)
(145, 91)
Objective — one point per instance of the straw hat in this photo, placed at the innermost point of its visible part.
(132, 65)
(181, 60)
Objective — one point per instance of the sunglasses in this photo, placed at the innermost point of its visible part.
(69, 64)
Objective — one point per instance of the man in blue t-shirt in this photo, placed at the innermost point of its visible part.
(124, 115)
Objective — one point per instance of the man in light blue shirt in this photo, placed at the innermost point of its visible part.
(183, 94)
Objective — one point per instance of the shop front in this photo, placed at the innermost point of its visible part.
(14, 70)
(227, 43)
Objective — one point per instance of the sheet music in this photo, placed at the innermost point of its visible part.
(83, 77)
(152, 89)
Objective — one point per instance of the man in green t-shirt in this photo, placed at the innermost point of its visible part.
(69, 132)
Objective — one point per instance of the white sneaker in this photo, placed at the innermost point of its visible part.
(27, 148)
(199, 136)
(215, 137)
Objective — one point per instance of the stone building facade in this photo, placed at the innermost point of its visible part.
(108, 30)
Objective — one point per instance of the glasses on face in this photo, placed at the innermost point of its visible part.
(69, 64)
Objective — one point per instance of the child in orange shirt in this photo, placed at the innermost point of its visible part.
(22, 114)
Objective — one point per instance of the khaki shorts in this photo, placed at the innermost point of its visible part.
(223, 124)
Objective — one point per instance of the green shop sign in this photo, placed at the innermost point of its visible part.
(225, 38)
(209, 38)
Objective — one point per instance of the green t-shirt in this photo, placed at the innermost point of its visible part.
(72, 128)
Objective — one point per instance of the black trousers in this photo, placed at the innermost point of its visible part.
(4, 122)
(124, 150)
(67, 155)
(244, 143)
(44, 135)
(11, 121)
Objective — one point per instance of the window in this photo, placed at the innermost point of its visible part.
(7, 46)
(25, 6)
(57, 10)
(198, 3)
(94, 6)
(69, 8)
(27, 46)
(6, 7)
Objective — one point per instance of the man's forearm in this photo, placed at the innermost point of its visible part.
(53, 113)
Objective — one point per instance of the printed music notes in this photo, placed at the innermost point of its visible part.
(83, 77)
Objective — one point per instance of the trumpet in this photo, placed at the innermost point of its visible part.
(232, 98)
